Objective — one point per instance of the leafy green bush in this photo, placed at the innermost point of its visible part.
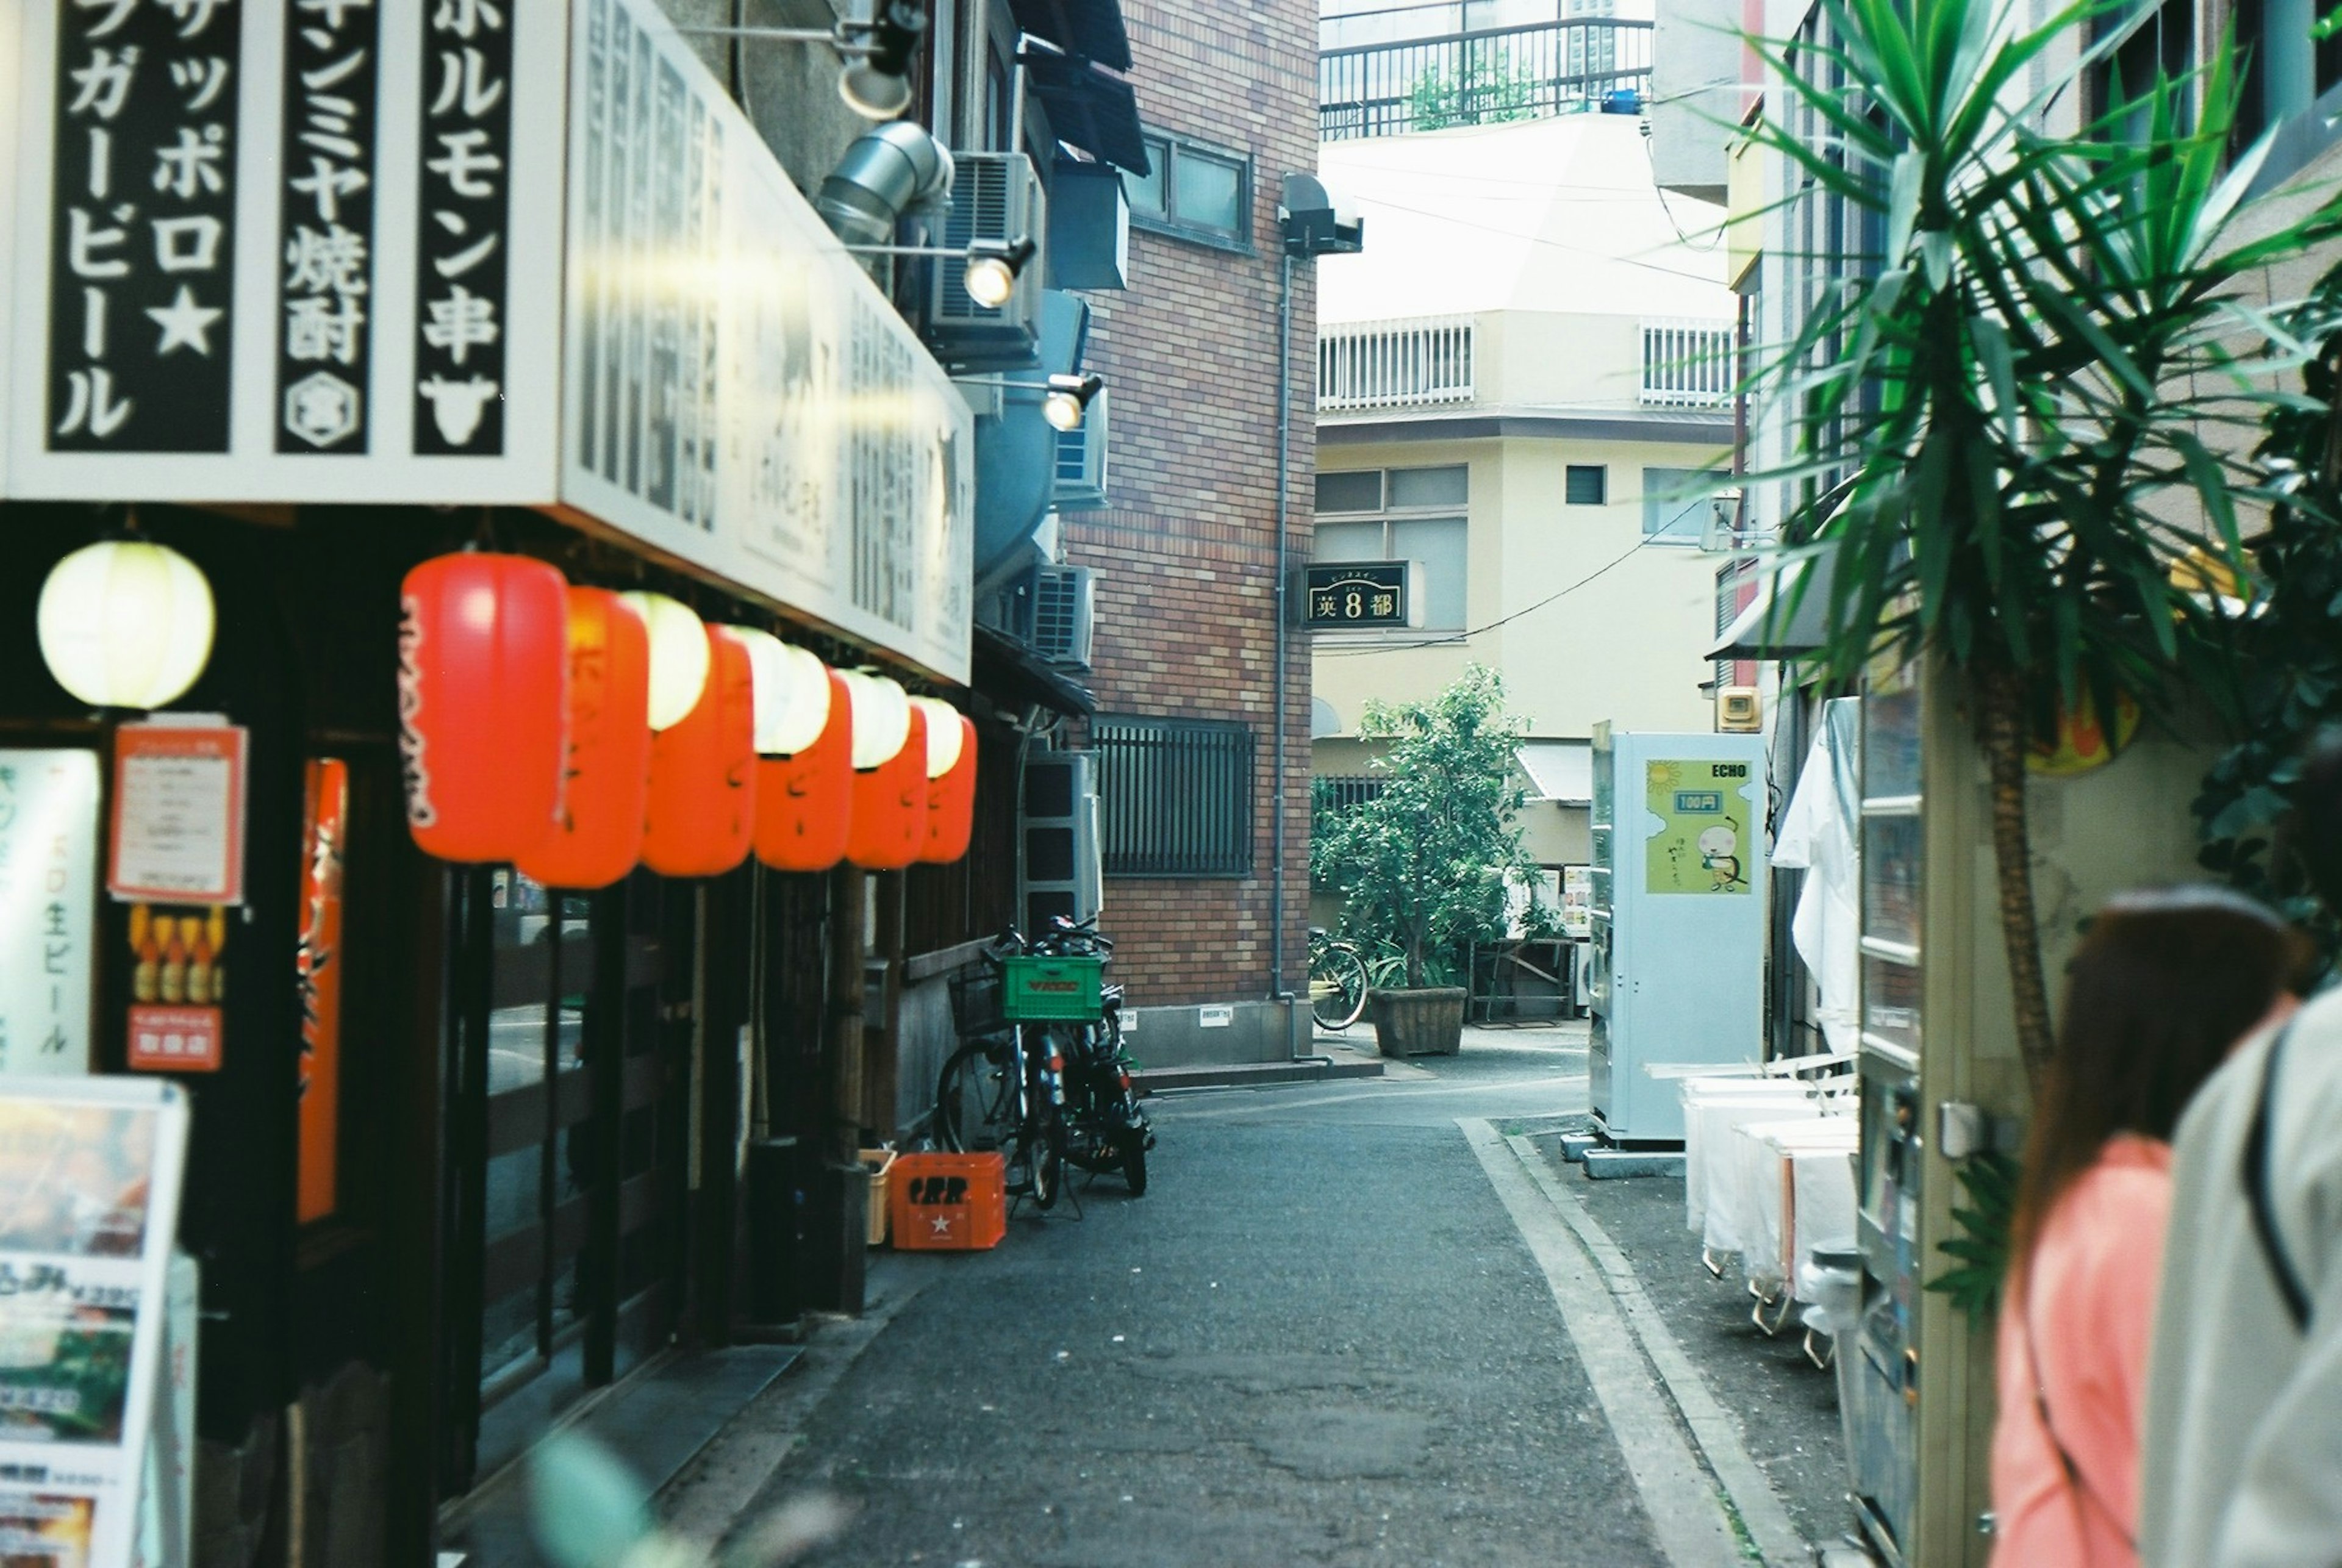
(1424, 865)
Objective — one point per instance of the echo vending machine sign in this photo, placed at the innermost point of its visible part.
(92, 1168)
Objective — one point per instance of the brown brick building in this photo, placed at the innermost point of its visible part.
(1185, 552)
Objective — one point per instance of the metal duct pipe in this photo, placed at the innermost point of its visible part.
(894, 169)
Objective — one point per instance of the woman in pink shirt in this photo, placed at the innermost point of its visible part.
(2164, 985)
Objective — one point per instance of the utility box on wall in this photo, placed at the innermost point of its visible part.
(1677, 916)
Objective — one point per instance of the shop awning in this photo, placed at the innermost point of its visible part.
(1090, 28)
(1087, 108)
(1559, 770)
(1008, 669)
(1764, 631)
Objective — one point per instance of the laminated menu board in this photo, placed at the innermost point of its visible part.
(90, 1173)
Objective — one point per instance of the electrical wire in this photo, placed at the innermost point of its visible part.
(1453, 638)
(1541, 240)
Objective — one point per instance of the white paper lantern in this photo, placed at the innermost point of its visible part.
(881, 718)
(125, 623)
(805, 714)
(792, 692)
(678, 655)
(943, 735)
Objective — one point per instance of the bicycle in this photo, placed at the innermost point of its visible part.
(999, 1094)
(1337, 980)
(1078, 1104)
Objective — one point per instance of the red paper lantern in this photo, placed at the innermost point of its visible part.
(951, 782)
(703, 792)
(483, 700)
(805, 802)
(598, 835)
(890, 797)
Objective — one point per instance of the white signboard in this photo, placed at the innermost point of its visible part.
(91, 1167)
(304, 252)
(48, 880)
(286, 252)
(737, 392)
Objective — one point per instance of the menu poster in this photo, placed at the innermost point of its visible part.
(178, 814)
(48, 898)
(90, 1174)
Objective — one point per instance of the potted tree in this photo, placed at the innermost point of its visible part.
(1424, 865)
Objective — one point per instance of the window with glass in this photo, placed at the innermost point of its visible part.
(1586, 484)
(1192, 190)
(1402, 515)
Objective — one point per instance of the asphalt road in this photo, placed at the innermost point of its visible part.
(1318, 1339)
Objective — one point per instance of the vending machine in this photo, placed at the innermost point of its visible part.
(1677, 918)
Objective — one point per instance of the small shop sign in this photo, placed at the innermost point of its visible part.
(178, 814)
(93, 1169)
(1350, 595)
(48, 904)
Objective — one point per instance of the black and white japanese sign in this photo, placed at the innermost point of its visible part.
(737, 390)
(460, 264)
(142, 225)
(301, 251)
(333, 55)
(250, 236)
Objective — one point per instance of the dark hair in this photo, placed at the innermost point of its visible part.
(2164, 984)
(2313, 829)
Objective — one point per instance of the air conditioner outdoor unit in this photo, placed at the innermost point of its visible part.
(1081, 461)
(1063, 614)
(996, 197)
(1739, 711)
(1059, 868)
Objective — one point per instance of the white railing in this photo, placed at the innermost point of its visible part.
(1394, 363)
(1689, 364)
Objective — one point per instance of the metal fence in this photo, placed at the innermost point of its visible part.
(1689, 364)
(1174, 796)
(1480, 77)
(1392, 363)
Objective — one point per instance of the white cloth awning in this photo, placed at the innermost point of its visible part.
(1559, 771)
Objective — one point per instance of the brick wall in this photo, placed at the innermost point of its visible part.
(1185, 555)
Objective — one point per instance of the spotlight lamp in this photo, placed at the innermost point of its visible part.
(1068, 398)
(993, 268)
(877, 87)
(879, 55)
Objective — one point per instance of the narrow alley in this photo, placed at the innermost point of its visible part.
(1323, 1336)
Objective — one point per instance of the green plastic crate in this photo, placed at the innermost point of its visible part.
(1052, 990)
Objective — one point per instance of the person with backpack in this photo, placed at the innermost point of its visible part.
(2161, 989)
(2243, 1462)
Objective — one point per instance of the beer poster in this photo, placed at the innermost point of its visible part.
(89, 1195)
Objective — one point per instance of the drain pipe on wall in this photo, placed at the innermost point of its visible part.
(1276, 990)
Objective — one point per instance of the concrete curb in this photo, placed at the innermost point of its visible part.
(1250, 1074)
(1745, 1488)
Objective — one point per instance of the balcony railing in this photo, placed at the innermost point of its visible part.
(1689, 364)
(1394, 363)
(1481, 78)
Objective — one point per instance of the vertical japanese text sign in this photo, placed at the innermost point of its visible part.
(48, 880)
(461, 268)
(142, 227)
(331, 126)
(91, 1167)
(248, 237)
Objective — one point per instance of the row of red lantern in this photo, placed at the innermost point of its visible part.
(577, 732)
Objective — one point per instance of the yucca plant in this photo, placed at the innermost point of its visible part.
(2011, 421)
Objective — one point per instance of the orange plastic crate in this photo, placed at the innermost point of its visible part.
(948, 1203)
